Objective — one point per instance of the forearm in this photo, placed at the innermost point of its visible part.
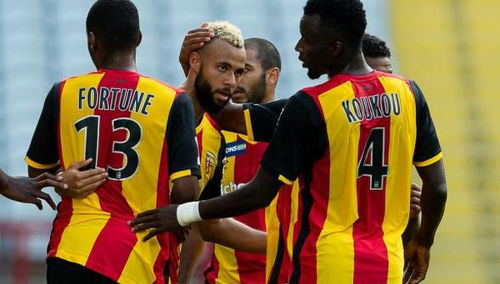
(191, 259)
(231, 118)
(433, 200)
(256, 194)
(411, 230)
(228, 232)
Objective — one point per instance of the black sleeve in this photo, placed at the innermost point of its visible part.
(299, 140)
(182, 149)
(43, 152)
(263, 119)
(427, 145)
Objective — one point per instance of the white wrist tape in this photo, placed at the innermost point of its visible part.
(188, 213)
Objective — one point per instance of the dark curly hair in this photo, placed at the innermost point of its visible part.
(115, 23)
(374, 47)
(346, 16)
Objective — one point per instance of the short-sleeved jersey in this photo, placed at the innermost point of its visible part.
(242, 159)
(351, 143)
(139, 129)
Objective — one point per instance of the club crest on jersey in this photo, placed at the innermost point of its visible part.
(209, 162)
(235, 148)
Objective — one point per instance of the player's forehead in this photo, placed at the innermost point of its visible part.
(252, 58)
(220, 51)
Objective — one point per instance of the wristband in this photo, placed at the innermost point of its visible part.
(188, 213)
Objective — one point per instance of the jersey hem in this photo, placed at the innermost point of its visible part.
(39, 166)
(430, 161)
(180, 174)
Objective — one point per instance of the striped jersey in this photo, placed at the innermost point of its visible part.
(242, 159)
(139, 129)
(351, 143)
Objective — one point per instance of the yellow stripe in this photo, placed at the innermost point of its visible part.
(143, 252)
(335, 252)
(87, 219)
(248, 123)
(180, 174)
(73, 143)
(210, 145)
(397, 196)
(140, 190)
(272, 228)
(228, 266)
(36, 165)
(285, 180)
(429, 161)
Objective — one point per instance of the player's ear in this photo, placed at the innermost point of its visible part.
(91, 42)
(272, 76)
(194, 61)
(337, 48)
(139, 39)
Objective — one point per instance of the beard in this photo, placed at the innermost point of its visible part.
(205, 95)
(257, 92)
(312, 74)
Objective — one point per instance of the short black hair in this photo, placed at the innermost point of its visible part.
(374, 47)
(348, 16)
(115, 23)
(267, 53)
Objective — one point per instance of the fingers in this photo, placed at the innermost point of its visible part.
(47, 175)
(145, 226)
(143, 217)
(416, 187)
(45, 197)
(152, 234)
(80, 164)
(50, 182)
(85, 191)
(97, 173)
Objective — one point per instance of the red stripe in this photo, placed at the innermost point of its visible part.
(251, 266)
(283, 211)
(107, 256)
(166, 241)
(65, 207)
(370, 252)
(319, 190)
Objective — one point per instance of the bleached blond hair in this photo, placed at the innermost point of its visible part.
(227, 32)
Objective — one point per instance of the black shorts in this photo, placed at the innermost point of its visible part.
(60, 271)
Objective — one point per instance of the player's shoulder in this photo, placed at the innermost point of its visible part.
(154, 82)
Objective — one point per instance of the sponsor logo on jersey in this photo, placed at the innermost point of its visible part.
(235, 148)
(231, 186)
(209, 162)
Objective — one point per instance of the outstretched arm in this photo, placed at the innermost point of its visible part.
(256, 194)
(434, 192)
(28, 190)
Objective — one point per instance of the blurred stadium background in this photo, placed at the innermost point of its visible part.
(451, 47)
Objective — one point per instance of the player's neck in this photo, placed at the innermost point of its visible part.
(119, 61)
(357, 65)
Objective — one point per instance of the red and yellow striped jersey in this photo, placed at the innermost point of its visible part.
(351, 143)
(242, 159)
(140, 130)
(211, 146)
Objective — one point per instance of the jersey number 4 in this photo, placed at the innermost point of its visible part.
(90, 124)
(372, 160)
